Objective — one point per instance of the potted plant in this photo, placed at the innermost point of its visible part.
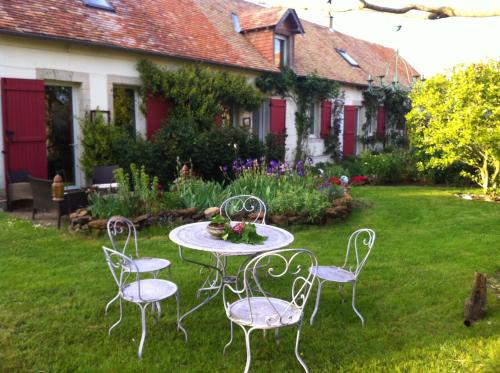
(217, 226)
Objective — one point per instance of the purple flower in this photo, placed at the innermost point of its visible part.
(224, 168)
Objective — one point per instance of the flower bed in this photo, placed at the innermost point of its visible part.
(293, 195)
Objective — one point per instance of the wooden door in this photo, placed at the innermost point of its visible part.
(350, 121)
(24, 131)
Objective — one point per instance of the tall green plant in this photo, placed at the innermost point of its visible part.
(457, 118)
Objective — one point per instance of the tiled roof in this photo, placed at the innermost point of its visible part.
(315, 51)
(258, 18)
(198, 30)
(176, 28)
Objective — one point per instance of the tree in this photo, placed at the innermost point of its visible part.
(456, 118)
(441, 9)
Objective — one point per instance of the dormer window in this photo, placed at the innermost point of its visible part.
(281, 48)
(99, 4)
(346, 56)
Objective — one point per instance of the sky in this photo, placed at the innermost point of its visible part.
(431, 46)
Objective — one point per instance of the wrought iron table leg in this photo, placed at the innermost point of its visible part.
(220, 271)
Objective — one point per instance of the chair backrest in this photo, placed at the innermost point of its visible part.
(285, 265)
(117, 263)
(244, 206)
(20, 176)
(103, 174)
(42, 193)
(360, 245)
(120, 232)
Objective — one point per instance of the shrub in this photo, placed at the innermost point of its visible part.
(275, 146)
(388, 167)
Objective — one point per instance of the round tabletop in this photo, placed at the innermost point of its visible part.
(195, 236)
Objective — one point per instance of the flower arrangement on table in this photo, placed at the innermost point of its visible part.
(242, 232)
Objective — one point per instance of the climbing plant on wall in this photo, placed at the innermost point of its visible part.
(397, 104)
(304, 90)
(198, 93)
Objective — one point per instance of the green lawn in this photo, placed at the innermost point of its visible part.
(54, 286)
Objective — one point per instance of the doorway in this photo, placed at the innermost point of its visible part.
(59, 104)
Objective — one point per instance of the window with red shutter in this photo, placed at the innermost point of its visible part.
(381, 121)
(277, 116)
(158, 109)
(326, 119)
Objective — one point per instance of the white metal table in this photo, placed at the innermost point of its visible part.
(196, 237)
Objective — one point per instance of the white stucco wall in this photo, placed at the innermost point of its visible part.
(85, 67)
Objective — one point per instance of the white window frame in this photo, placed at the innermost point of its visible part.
(315, 134)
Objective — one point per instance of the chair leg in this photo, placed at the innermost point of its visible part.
(277, 335)
(316, 305)
(230, 339)
(111, 302)
(143, 323)
(341, 286)
(179, 325)
(119, 320)
(33, 214)
(354, 303)
(297, 354)
(153, 313)
(158, 308)
(247, 343)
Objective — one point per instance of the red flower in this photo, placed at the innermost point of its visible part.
(238, 228)
(334, 180)
(358, 180)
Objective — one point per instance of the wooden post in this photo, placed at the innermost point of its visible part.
(475, 305)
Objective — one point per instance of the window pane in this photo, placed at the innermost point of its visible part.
(312, 117)
(279, 52)
(124, 108)
(102, 4)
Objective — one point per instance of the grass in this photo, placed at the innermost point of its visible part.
(54, 287)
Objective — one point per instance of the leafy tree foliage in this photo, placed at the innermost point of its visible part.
(456, 118)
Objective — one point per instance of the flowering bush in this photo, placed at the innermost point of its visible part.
(358, 180)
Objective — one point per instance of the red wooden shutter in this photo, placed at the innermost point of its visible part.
(381, 121)
(326, 118)
(23, 110)
(350, 118)
(278, 116)
(158, 109)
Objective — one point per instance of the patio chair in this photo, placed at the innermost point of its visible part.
(244, 206)
(42, 195)
(104, 174)
(18, 187)
(122, 228)
(143, 293)
(256, 309)
(362, 240)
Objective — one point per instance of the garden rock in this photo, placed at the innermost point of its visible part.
(98, 224)
(141, 219)
(281, 220)
(187, 212)
(211, 211)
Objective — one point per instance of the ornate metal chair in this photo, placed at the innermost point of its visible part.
(120, 227)
(244, 206)
(362, 240)
(256, 309)
(140, 292)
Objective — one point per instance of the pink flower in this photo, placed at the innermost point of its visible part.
(238, 228)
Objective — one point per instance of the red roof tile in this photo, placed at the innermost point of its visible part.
(258, 18)
(198, 30)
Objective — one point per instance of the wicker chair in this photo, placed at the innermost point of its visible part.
(42, 195)
(18, 188)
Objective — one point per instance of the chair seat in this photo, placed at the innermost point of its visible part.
(265, 311)
(152, 290)
(149, 264)
(332, 273)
